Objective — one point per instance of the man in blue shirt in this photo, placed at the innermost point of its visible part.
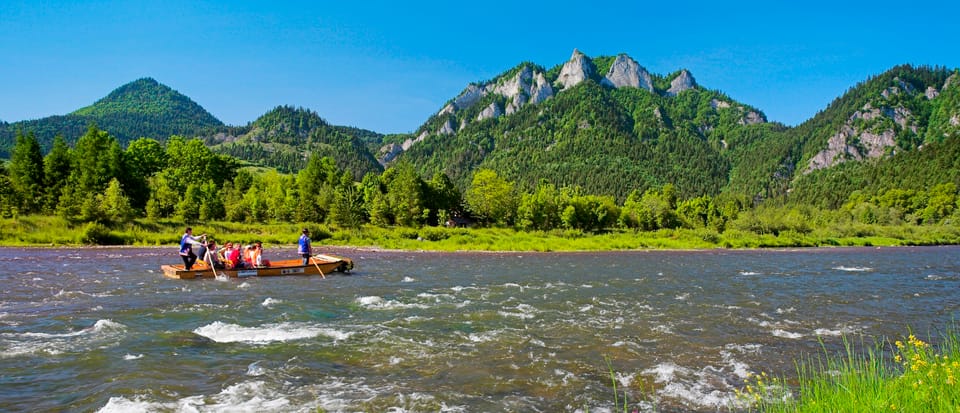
(187, 241)
(303, 246)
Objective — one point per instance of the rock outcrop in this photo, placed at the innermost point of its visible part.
(626, 72)
(576, 70)
(858, 139)
(683, 81)
(490, 112)
(751, 118)
(526, 86)
(447, 128)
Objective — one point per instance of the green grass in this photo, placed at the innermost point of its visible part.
(55, 231)
(907, 376)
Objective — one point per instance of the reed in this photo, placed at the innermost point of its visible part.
(907, 376)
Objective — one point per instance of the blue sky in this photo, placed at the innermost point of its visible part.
(387, 66)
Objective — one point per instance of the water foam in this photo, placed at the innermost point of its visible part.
(374, 302)
(57, 343)
(271, 302)
(708, 386)
(852, 269)
(524, 311)
(232, 333)
(838, 331)
(786, 334)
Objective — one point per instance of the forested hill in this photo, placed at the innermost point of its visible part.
(142, 108)
(608, 126)
(605, 125)
(285, 137)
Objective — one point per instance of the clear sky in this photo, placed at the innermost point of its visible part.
(387, 66)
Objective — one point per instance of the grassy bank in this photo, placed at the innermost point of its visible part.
(907, 376)
(54, 231)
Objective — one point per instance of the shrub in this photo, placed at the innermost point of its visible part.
(434, 233)
(407, 233)
(96, 233)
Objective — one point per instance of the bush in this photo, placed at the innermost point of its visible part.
(434, 233)
(95, 233)
(407, 233)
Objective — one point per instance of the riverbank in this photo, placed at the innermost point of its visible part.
(54, 231)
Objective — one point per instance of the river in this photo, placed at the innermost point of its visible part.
(101, 329)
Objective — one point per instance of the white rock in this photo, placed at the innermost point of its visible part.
(490, 112)
(751, 118)
(719, 104)
(541, 89)
(683, 81)
(447, 128)
(626, 72)
(576, 70)
(469, 97)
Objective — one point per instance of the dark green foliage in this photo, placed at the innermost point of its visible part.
(56, 172)
(285, 137)
(8, 200)
(26, 173)
(95, 233)
(143, 158)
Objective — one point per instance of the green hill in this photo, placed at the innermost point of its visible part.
(285, 137)
(142, 108)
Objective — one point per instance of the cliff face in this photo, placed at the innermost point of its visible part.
(576, 70)
(684, 81)
(871, 132)
(626, 72)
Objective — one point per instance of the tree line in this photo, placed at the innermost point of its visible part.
(97, 181)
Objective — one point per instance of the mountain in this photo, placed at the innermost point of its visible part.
(285, 137)
(900, 129)
(142, 108)
(605, 124)
(609, 126)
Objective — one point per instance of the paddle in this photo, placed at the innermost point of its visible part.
(314, 261)
(209, 261)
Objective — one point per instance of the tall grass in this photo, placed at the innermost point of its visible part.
(908, 376)
(55, 231)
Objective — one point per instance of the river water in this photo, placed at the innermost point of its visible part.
(101, 329)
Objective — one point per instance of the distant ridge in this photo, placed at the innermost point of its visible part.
(285, 138)
(142, 108)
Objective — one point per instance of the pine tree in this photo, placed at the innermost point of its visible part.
(56, 173)
(26, 173)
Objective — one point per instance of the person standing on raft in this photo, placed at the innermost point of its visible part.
(187, 241)
(303, 246)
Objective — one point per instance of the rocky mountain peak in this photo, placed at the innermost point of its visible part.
(950, 81)
(683, 81)
(626, 72)
(575, 70)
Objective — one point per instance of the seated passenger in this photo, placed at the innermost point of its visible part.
(255, 255)
(234, 257)
(213, 256)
